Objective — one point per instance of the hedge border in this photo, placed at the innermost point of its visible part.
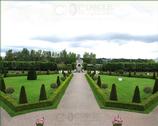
(51, 102)
(126, 75)
(145, 107)
(25, 74)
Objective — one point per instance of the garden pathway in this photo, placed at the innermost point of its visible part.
(79, 108)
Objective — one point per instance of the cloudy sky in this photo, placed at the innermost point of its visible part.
(108, 29)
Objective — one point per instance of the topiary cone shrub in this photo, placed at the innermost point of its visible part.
(43, 95)
(58, 81)
(22, 96)
(129, 74)
(2, 85)
(99, 81)
(113, 94)
(155, 88)
(136, 96)
(64, 74)
(32, 75)
(154, 75)
(93, 74)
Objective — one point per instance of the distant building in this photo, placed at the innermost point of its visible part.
(79, 63)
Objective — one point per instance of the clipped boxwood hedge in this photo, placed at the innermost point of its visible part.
(53, 100)
(104, 102)
(25, 74)
(99, 95)
(132, 106)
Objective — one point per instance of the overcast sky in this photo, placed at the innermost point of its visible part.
(108, 29)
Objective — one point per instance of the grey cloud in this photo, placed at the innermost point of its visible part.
(109, 37)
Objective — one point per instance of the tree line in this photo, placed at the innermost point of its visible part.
(50, 60)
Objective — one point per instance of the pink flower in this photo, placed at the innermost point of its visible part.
(40, 121)
(117, 120)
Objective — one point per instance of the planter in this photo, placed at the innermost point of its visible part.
(39, 124)
(117, 124)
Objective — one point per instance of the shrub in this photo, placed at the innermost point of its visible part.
(104, 86)
(54, 85)
(58, 81)
(2, 85)
(110, 73)
(155, 89)
(63, 78)
(113, 94)
(43, 95)
(32, 75)
(129, 74)
(64, 74)
(22, 96)
(120, 71)
(99, 81)
(89, 72)
(69, 72)
(47, 72)
(92, 74)
(95, 77)
(147, 90)
(136, 96)
(154, 75)
(9, 90)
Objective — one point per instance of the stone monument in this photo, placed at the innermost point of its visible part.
(79, 63)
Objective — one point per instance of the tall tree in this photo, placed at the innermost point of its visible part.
(89, 58)
(9, 55)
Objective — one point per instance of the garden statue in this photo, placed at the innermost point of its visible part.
(79, 63)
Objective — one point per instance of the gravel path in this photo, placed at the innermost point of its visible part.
(79, 108)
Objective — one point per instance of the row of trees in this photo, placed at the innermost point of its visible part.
(44, 60)
(33, 55)
(58, 57)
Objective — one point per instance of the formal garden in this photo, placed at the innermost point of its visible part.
(36, 80)
(36, 91)
(131, 91)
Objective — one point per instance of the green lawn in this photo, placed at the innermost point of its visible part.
(126, 87)
(32, 87)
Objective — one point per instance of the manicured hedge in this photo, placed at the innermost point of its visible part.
(132, 106)
(23, 65)
(25, 74)
(127, 75)
(53, 100)
(103, 101)
(151, 100)
(99, 95)
(9, 101)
